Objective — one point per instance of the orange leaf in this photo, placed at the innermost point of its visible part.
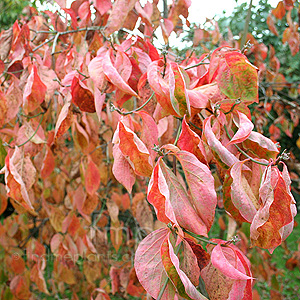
(118, 15)
(20, 287)
(34, 91)
(134, 150)
(48, 164)
(82, 96)
(279, 11)
(92, 177)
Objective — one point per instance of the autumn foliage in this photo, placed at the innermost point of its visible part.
(115, 157)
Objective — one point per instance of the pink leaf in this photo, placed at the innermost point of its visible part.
(99, 101)
(149, 267)
(103, 6)
(245, 127)
(34, 91)
(185, 213)
(201, 186)
(92, 177)
(197, 98)
(118, 15)
(114, 77)
(61, 3)
(242, 196)
(149, 133)
(189, 287)
(224, 157)
(122, 169)
(159, 196)
(261, 146)
(191, 142)
(221, 262)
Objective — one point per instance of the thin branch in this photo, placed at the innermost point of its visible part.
(199, 237)
(237, 102)
(201, 62)
(178, 132)
(44, 43)
(37, 128)
(243, 152)
(55, 43)
(132, 111)
(59, 33)
(197, 127)
(85, 76)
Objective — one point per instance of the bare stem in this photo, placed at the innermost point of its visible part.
(132, 111)
(37, 128)
(243, 152)
(201, 62)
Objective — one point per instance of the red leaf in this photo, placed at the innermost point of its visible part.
(134, 150)
(118, 15)
(178, 94)
(260, 146)
(19, 287)
(236, 77)
(34, 91)
(158, 196)
(288, 4)
(92, 177)
(3, 199)
(63, 122)
(82, 96)
(271, 25)
(191, 142)
(274, 219)
(202, 256)
(48, 164)
(37, 277)
(2, 66)
(279, 11)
